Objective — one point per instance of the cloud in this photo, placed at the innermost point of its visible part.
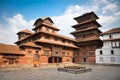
(102, 8)
(12, 26)
(107, 11)
(113, 7)
(107, 19)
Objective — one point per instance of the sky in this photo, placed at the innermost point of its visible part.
(16, 15)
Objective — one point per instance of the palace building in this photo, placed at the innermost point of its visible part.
(110, 52)
(87, 37)
(45, 45)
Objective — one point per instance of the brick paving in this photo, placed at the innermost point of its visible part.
(97, 73)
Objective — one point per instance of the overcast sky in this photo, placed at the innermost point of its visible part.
(16, 15)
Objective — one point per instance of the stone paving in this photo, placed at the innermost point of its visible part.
(97, 73)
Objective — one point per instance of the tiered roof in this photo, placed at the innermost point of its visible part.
(86, 29)
(25, 31)
(38, 23)
(80, 18)
(31, 44)
(56, 43)
(41, 22)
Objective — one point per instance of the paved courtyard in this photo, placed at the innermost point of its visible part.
(97, 73)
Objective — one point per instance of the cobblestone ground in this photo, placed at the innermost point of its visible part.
(97, 73)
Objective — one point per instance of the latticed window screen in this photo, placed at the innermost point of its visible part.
(46, 52)
(36, 57)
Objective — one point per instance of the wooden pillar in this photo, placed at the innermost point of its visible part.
(58, 60)
(53, 59)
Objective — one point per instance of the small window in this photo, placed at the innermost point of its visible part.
(29, 51)
(101, 53)
(63, 41)
(113, 44)
(112, 52)
(68, 53)
(110, 36)
(117, 44)
(37, 51)
(56, 52)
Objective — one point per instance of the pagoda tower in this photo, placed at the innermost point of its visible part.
(87, 36)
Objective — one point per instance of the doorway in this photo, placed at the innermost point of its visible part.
(54, 59)
(73, 60)
(84, 60)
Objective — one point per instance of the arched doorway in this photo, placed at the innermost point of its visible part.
(54, 59)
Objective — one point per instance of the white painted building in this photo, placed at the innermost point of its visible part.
(110, 52)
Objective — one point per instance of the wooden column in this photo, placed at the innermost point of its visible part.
(57, 59)
(53, 59)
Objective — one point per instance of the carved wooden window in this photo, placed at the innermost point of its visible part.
(46, 51)
(36, 57)
(63, 53)
(68, 53)
(30, 51)
(47, 37)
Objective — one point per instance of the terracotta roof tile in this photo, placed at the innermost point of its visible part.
(58, 35)
(42, 18)
(111, 31)
(89, 13)
(87, 22)
(86, 29)
(88, 39)
(51, 26)
(56, 42)
(31, 44)
(25, 31)
(9, 49)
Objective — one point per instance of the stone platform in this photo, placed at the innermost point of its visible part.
(75, 69)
